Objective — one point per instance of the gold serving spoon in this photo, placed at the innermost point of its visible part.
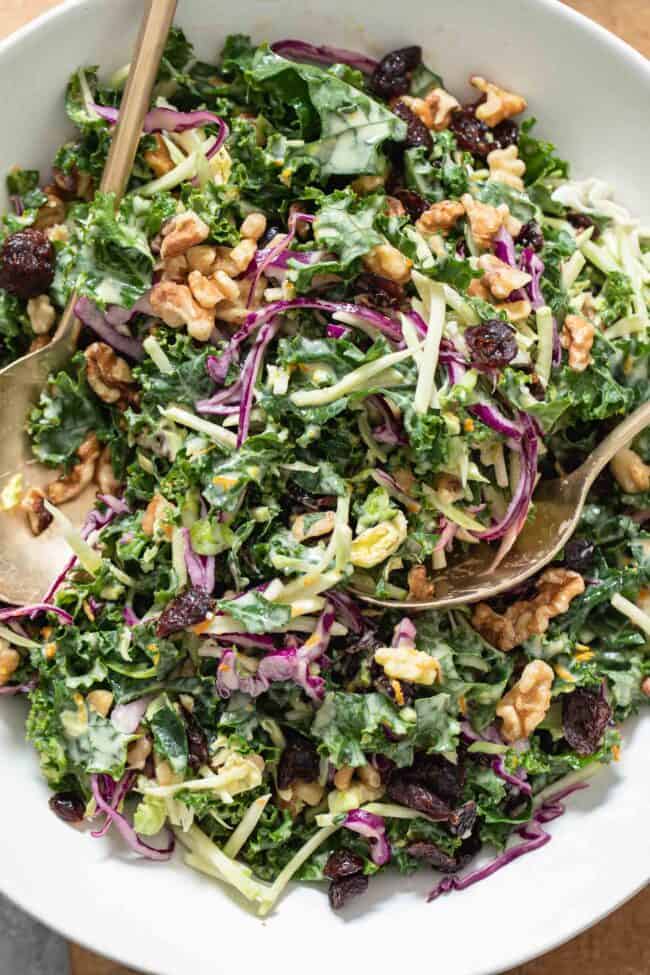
(28, 564)
(558, 506)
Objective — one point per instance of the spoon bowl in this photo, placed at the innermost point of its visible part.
(558, 507)
(28, 564)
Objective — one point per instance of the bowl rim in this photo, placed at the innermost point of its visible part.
(559, 11)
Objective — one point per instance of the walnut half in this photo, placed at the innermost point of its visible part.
(109, 375)
(529, 617)
(526, 703)
(69, 486)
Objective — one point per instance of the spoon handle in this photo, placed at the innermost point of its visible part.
(126, 136)
(615, 441)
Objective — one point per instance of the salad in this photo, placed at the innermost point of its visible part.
(337, 329)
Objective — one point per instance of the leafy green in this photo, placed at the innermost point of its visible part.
(66, 413)
(349, 727)
(343, 128)
(539, 156)
(170, 738)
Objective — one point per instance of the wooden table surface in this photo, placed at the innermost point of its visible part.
(619, 944)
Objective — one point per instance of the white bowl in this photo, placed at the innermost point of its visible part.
(590, 92)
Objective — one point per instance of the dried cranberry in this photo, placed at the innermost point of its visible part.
(379, 292)
(471, 134)
(391, 76)
(442, 777)
(413, 203)
(190, 607)
(68, 806)
(461, 821)
(505, 134)
(418, 797)
(342, 863)
(578, 554)
(27, 263)
(417, 134)
(491, 343)
(197, 743)
(341, 891)
(433, 855)
(585, 716)
(531, 235)
(299, 761)
(582, 222)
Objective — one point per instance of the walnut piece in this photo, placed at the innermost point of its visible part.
(526, 703)
(174, 269)
(485, 221)
(174, 304)
(254, 226)
(500, 278)
(388, 262)
(69, 486)
(631, 473)
(441, 105)
(38, 517)
(109, 376)
(419, 107)
(440, 217)
(9, 661)
(41, 314)
(158, 159)
(499, 103)
(202, 258)
(52, 212)
(555, 590)
(578, 337)
(506, 167)
(182, 232)
(235, 260)
(420, 586)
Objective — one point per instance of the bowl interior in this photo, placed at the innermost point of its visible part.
(590, 93)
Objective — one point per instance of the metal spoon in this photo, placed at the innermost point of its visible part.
(558, 506)
(28, 564)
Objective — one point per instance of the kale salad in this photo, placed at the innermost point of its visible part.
(338, 328)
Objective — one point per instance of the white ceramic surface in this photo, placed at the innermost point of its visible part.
(590, 92)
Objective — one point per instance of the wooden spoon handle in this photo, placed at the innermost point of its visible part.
(137, 95)
(124, 145)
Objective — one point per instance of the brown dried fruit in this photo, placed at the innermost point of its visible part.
(27, 263)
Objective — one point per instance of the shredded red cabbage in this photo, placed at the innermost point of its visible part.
(323, 54)
(492, 417)
(16, 612)
(517, 510)
(200, 568)
(125, 829)
(291, 663)
(348, 611)
(448, 531)
(88, 313)
(533, 835)
(170, 120)
(373, 827)
(334, 331)
(499, 768)
(390, 431)
(275, 250)
(533, 265)
(249, 376)
(127, 717)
